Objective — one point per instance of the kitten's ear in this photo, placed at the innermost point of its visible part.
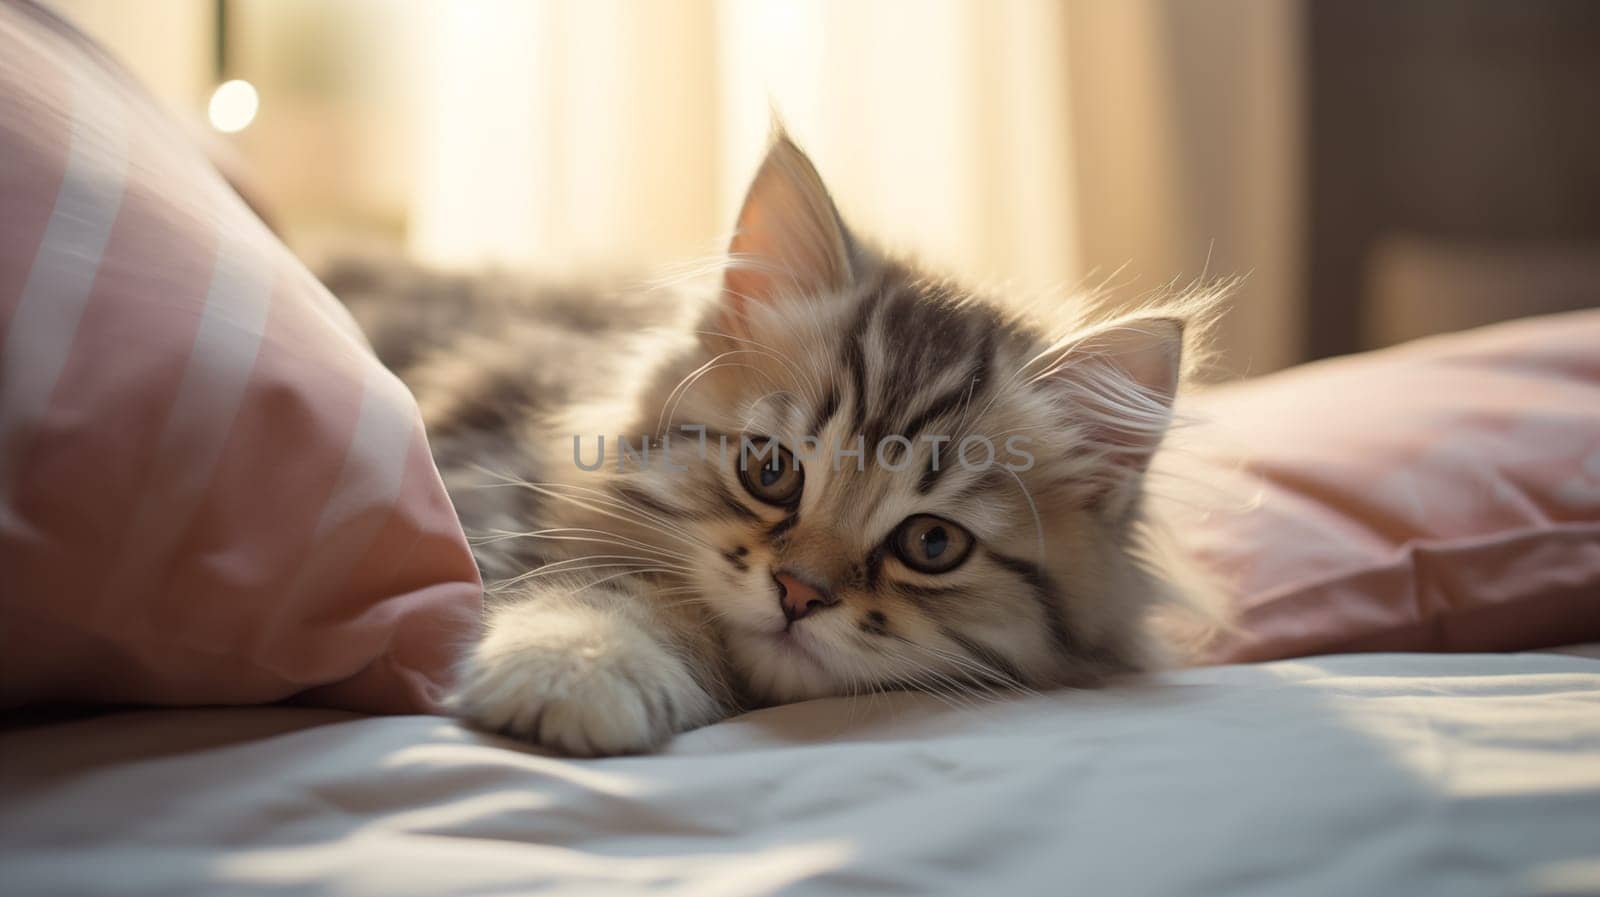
(1148, 350)
(1120, 382)
(790, 241)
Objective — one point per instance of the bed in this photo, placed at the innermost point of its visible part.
(234, 516)
(1357, 774)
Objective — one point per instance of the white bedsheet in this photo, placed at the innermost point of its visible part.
(1362, 775)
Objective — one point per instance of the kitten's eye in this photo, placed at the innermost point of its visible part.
(930, 544)
(772, 475)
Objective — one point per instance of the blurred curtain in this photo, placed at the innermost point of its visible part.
(166, 43)
(1189, 119)
(1030, 145)
(1131, 144)
(563, 135)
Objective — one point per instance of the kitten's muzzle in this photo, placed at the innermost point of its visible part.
(799, 596)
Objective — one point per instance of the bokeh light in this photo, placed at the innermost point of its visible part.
(234, 106)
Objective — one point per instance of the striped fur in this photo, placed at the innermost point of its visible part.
(630, 604)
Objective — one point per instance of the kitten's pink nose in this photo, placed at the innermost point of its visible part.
(799, 597)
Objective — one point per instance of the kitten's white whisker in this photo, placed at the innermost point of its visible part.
(767, 351)
(566, 534)
(974, 686)
(680, 385)
(639, 516)
(990, 675)
(1038, 525)
(924, 677)
(613, 557)
(594, 495)
(603, 580)
(573, 568)
(699, 375)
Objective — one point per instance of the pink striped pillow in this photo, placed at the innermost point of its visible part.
(210, 491)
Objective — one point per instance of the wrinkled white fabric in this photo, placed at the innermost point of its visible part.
(1376, 774)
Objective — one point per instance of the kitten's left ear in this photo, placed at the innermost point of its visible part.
(790, 242)
(1149, 350)
(1120, 382)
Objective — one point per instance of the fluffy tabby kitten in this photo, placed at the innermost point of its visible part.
(654, 595)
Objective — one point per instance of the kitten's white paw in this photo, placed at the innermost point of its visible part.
(579, 680)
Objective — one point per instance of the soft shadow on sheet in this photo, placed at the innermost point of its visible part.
(1381, 774)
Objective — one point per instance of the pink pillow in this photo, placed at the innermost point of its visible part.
(210, 491)
(1439, 496)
